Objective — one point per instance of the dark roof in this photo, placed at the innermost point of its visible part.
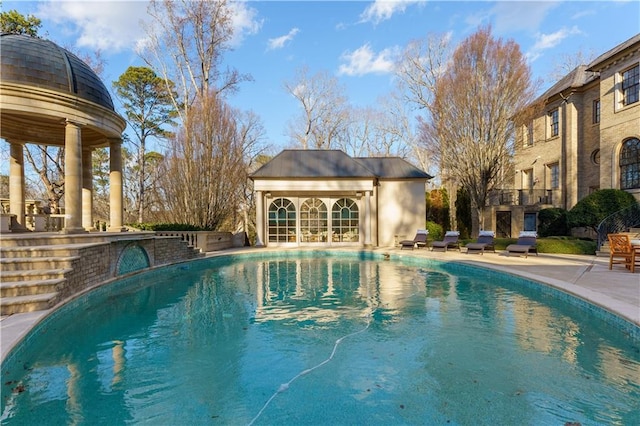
(322, 163)
(584, 74)
(578, 77)
(392, 168)
(595, 64)
(41, 63)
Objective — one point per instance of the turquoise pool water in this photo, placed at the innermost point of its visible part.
(331, 339)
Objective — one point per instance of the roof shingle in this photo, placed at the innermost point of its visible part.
(320, 163)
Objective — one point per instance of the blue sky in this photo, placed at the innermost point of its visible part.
(355, 41)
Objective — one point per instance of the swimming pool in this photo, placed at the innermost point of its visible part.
(324, 338)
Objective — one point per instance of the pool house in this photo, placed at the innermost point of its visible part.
(327, 198)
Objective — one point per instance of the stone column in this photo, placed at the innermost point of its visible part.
(367, 219)
(570, 125)
(16, 183)
(87, 189)
(73, 179)
(115, 185)
(259, 219)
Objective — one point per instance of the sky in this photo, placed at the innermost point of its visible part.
(354, 41)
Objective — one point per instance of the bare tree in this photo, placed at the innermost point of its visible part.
(474, 112)
(325, 110)
(399, 129)
(48, 163)
(204, 173)
(101, 170)
(205, 167)
(153, 204)
(186, 44)
(358, 138)
(421, 64)
(567, 62)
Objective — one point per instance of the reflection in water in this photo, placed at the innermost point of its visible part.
(338, 339)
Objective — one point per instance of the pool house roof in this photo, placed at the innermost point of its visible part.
(335, 164)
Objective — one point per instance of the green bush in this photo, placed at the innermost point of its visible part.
(557, 245)
(435, 231)
(166, 227)
(593, 208)
(553, 221)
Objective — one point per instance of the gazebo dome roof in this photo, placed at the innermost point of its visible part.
(41, 63)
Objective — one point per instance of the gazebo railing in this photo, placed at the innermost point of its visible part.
(44, 222)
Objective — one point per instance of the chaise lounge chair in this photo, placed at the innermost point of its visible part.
(450, 241)
(526, 244)
(420, 240)
(484, 242)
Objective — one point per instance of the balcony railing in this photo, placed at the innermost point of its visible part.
(525, 197)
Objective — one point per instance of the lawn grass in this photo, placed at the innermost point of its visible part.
(560, 245)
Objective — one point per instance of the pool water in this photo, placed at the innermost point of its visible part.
(348, 339)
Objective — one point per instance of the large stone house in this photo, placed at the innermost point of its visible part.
(326, 198)
(585, 137)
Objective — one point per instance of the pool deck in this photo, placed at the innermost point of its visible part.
(587, 277)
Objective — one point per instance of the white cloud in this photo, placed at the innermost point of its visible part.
(109, 26)
(115, 25)
(381, 10)
(583, 13)
(364, 61)
(279, 42)
(244, 22)
(511, 16)
(549, 41)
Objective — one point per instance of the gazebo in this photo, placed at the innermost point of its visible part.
(48, 96)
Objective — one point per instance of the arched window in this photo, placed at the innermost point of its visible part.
(282, 221)
(345, 222)
(630, 164)
(313, 221)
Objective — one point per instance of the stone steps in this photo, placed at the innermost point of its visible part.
(30, 287)
(634, 234)
(32, 277)
(36, 263)
(29, 303)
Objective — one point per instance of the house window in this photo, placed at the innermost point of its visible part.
(313, 221)
(631, 85)
(527, 179)
(596, 111)
(282, 221)
(630, 164)
(554, 176)
(345, 222)
(529, 135)
(554, 122)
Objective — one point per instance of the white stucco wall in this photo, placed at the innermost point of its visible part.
(398, 207)
(401, 210)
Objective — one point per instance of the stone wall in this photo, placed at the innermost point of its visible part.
(98, 262)
(618, 121)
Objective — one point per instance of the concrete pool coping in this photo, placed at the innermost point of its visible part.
(587, 277)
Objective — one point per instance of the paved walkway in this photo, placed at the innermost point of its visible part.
(587, 277)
